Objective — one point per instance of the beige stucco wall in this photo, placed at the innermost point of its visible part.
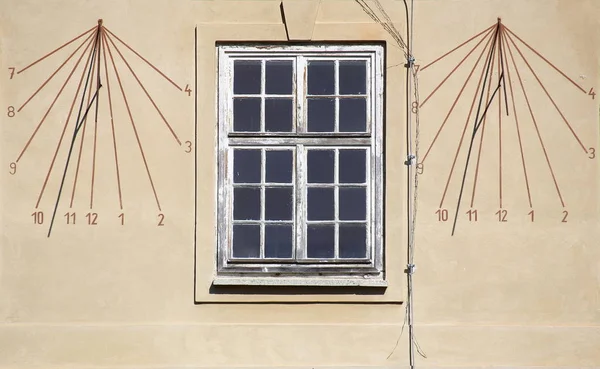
(514, 294)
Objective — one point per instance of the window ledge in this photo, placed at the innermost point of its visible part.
(292, 281)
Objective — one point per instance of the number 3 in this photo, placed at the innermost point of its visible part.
(592, 153)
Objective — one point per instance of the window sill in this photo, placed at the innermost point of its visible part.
(296, 281)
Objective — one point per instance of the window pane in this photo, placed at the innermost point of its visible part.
(246, 166)
(320, 241)
(246, 203)
(353, 76)
(279, 166)
(321, 115)
(278, 241)
(279, 74)
(246, 114)
(352, 166)
(321, 166)
(246, 77)
(320, 204)
(246, 241)
(278, 203)
(321, 78)
(353, 115)
(278, 115)
(353, 203)
(353, 238)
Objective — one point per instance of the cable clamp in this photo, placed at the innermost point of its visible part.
(410, 159)
(410, 268)
(410, 61)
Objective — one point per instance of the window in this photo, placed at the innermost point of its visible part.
(300, 165)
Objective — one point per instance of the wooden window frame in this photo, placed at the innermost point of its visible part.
(304, 272)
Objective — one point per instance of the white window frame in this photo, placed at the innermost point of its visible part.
(306, 272)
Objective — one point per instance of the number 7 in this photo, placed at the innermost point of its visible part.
(12, 72)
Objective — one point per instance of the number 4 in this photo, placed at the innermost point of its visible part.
(188, 90)
(592, 93)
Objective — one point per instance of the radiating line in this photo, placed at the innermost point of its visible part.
(483, 125)
(548, 94)
(455, 101)
(500, 70)
(112, 123)
(458, 47)
(57, 49)
(452, 71)
(535, 124)
(37, 204)
(145, 91)
(144, 59)
(517, 125)
(54, 73)
(53, 102)
(132, 121)
(84, 123)
(462, 136)
(98, 83)
(546, 60)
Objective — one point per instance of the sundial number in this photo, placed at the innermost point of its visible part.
(70, 218)
(188, 90)
(472, 214)
(161, 219)
(442, 215)
(502, 215)
(420, 168)
(415, 107)
(417, 67)
(188, 145)
(122, 217)
(592, 152)
(532, 215)
(38, 217)
(13, 168)
(11, 111)
(12, 72)
(591, 93)
(92, 218)
(565, 215)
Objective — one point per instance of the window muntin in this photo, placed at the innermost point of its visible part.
(300, 150)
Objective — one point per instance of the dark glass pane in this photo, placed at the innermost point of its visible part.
(352, 166)
(246, 77)
(321, 115)
(246, 114)
(321, 166)
(320, 204)
(353, 77)
(320, 241)
(353, 203)
(353, 115)
(246, 166)
(278, 203)
(279, 74)
(246, 203)
(278, 241)
(279, 166)
(278, 115)
(353, 238)
(246, 241)
(321, 78)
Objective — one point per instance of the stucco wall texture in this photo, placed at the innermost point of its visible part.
(514, 294)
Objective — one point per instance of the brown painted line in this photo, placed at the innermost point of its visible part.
(137, 137)
(454, 70)
(57, 49)
(548, 94)
(112, 123)
(546, 60)
(62, 135)
(98, 84)
(500, 74)
(52, 104)
(455, 101)
(144, 59)
(479, 86)
(517, 125)
(483, 125)
(489, 29)
(89, 98)
(144, 89)
(535, 125)
(54, 73)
